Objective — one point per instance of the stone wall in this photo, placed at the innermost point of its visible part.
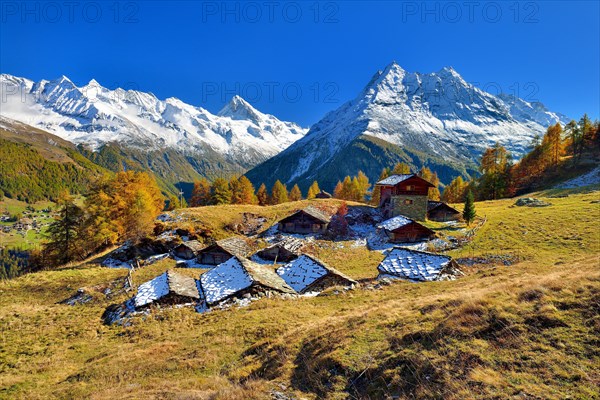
(417, 210)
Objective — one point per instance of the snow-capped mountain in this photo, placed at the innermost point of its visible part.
(436, 119)
(93, 115)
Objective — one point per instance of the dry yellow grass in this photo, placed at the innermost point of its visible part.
(530, 329)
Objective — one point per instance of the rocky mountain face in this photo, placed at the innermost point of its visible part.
(435, 119)
(139, 125)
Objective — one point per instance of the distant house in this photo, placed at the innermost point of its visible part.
(285, 250)
(308, 220)
(223, 250)
(405, 194)
(307, 274)
(188, 250)
(441, 212)
(414, 265)
(323, 195)
(239, 276)
(401, 229)
(168, 288)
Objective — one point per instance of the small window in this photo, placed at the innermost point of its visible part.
(410, 188)
(407, 201)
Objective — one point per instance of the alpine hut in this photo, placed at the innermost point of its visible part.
(239, 276)
(307, 274)
(188, 250)
(223, 250)
(441, 212)
(323, 195)
(401, 229)
(285, 250)
(307, 220)
(415, 265)
(167, 288)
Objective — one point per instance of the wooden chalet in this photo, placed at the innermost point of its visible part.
(238, 277)
(441, 212)
(285, 250)
(307, 220)
(223, 250)
(168, 288)
(405, 194)
(323, 195)
(188, 250)
(307, 274)
(401, 229)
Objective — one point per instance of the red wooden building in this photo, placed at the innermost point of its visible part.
(405, 194)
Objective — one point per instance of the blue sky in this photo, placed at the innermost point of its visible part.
(299, 60)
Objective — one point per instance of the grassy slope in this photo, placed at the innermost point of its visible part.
(528, 329)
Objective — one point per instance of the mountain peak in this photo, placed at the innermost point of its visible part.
(238, 108)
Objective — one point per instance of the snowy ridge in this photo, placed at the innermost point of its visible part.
(94, 115)
(439, 114)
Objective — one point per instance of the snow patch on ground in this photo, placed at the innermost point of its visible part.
(591, 178)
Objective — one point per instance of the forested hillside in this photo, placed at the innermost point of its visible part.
(25, 174)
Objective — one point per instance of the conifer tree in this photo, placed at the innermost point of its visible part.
(313, 190)
(401, 168)
(363, 186)
(64, 232)
(279, 193)
(246, 191)
(376, 197)
(431, 177)
(295, 193)
(469, 213)
(338, 191)
(262, 195)
(455, 191)
(220, 192)
(201, 193)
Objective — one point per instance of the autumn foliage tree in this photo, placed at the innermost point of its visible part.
(313, 190)
(242, 191)
(495, 173)
(353, 188)
(220, 193)
(431, 177)
(295, 193)
(279, 193)
(455, 191)
(122, 207)
(262, 195)
(201, 195)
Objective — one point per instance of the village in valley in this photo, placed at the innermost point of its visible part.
(277, 260)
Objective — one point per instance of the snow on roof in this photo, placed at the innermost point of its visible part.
(162, 285)
(414, 265)
(305, 270)
(224, 280)
(394, 179)
(152, 290)
(301, 272)
(395, 223)
(235, 275)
